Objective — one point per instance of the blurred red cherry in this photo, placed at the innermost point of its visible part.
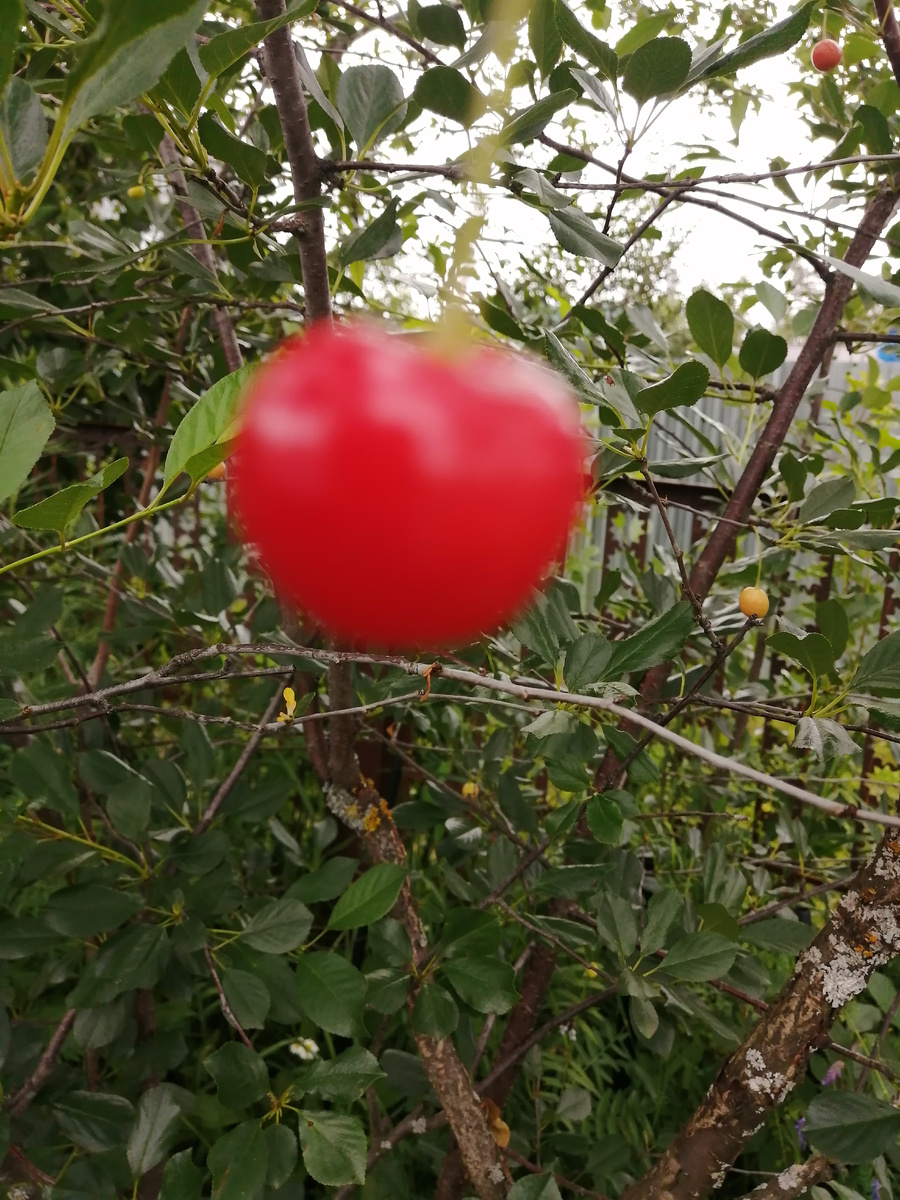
(405, 499)
(826, 55)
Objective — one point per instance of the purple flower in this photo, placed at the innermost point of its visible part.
(833, 1074)
(876, 1190)
(798, 1125)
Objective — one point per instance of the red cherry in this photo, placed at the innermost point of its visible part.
(826, 55)
(404, 499)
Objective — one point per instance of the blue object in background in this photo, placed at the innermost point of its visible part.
(889, 353)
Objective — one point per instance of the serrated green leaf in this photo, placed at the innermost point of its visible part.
(851, 1126)
(158, 1113)
(331, 992)
(370, 100)
(776, 39)
(279, 927)
(206, 423)
(585, 43)
(685, 386)
(369, 898)
(578, 234)
(239, 1162)
(762, 352)
(700, 956)
(221, 51)
(26, 423)
(58, 512)
(334, 1148)
(712, 325)
(447, 92)
(657, 68)
(241, 1075)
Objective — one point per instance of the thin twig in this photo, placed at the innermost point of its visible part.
(226, 1007)
(19, 1101)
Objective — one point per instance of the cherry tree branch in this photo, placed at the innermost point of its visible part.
(794, 1181)
(19, 1101)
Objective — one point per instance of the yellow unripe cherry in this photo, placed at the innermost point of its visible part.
(219, 471)
(754, 602)
(136, 191)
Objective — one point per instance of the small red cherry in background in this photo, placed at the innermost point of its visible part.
(403, 498)
(826, 55)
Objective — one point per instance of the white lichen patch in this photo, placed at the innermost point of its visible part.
(763, 1082)
(791, 1178)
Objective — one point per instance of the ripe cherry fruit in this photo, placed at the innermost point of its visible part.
(826, 55)
(403, 498)
(754, 602)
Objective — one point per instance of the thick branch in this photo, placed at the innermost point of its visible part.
(283, 74)
(794, 1181)
(724, 536)
(862, 934)
(890, 33)
(20, 1100)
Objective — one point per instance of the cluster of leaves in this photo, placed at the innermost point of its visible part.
(161, 936)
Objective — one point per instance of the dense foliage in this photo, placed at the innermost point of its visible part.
(235, 962)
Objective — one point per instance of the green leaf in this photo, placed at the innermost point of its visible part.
(369, 242)
(281, 1148)
(585, 43)
(814, 652)
(879, 289)
(616, 923)
(700, 956)
(388, 989)
(334, 1148)
(181, 1179)
(248, 162)
(543, 36)
(605, 821)
(657, 68)
(645, 30)
(435, 1013)
(562, 360)
(586, 660)
(526, 125)
(125, 56)
(441, 24)
(96, 1027)
(786, 937)
(23, 127)
(825, 498)
(218, 54)
(657, 642)
(344, 1077)
(239, 1162)
(370, 898)
(879, 670)
(94, 1121)
(331, 992)
(328, 881)
(663, 911)
(831, 617)
(851, 1126)
(370, 99)
(247, 996)
(773, 300)
(241, 1075)
(685, 386)
(535, 1187)
(762, 352)
(134, 958)
(158, 1114)
(279, 927)
(23, 937)
(643, 1015)
(447, 92)
(712, 325)
(59, 511)
(89, 909)
(12, 15)
(776, 39)
(42, 774)
(485, 984)
(578, 234)
(206, 423)
(26, 423)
